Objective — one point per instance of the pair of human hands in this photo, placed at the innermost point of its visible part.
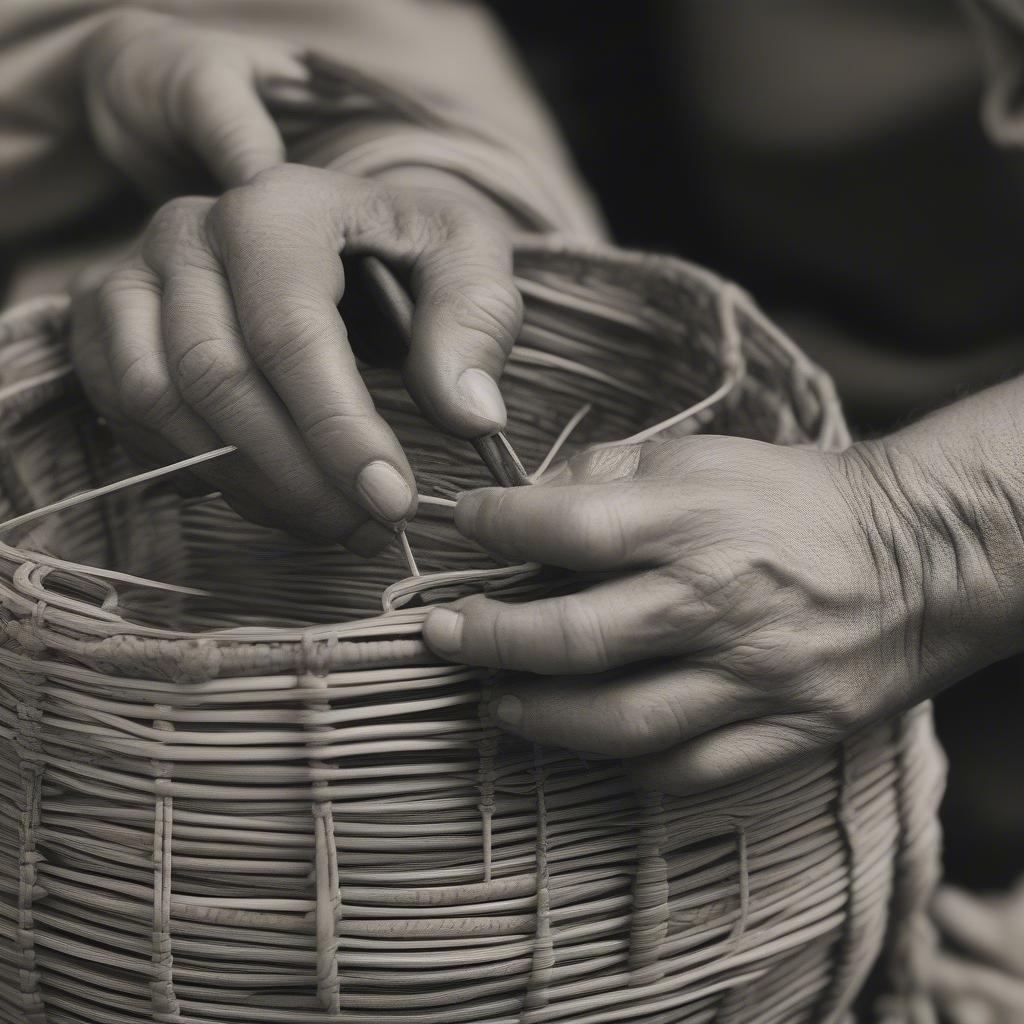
(747, 607)
(221, 326)
(745, 614)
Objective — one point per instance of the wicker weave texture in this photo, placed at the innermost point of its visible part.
(267, 802)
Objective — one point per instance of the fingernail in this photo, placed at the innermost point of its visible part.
(445, 629)
(384, 489)
(508, 710)
(481, 397)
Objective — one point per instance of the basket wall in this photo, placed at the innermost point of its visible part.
(277, 806)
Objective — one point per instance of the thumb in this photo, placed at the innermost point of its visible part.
(223, 120)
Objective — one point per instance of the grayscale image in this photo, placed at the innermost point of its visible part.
(511, 513)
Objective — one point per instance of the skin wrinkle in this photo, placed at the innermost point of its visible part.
(142, 390)
(982, 524)
(302, 333)
(498, 636)
(643, 723)
(1014, 509)
(599, 527)
(892, 554)
(485, 307)
(583, 637)
(956, 536)
(200, 262)
(212, 381)
(144, 394)
(176, 228)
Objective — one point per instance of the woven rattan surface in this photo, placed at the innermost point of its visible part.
(266, 801)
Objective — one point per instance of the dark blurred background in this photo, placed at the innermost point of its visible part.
(827, 154)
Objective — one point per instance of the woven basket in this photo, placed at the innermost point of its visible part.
(258, 798)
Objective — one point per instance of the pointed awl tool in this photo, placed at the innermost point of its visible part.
(495, 450)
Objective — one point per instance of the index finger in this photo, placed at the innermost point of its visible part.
(279, 241)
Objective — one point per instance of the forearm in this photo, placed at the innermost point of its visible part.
(445, 59)
(942, 507)
(472, 126)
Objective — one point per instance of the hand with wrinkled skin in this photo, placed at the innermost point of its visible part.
(736, 620)
(165, 98)
(222, 328)
(754, 603)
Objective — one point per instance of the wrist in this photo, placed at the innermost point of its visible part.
(949, 605)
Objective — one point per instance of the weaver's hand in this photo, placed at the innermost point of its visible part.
(166, 98)
(746, 610)
(223, 328)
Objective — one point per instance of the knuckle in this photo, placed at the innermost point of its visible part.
(122, 289)
(493, 521)
(598, 527)
(753, 754)
(505, 646)
(211, 374)
(301, 335)
(776, 743)
(466, 224)
(144, 391)
(644, 724)
(279, 195)
(260, 229)
(496, 512)
(488, 306)
(382, 220)
(673, 607)
(236, 208)
(177, 211)
(175, 228)
(331, 429)
(487, 636)
(584, 639)
(240, 210)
